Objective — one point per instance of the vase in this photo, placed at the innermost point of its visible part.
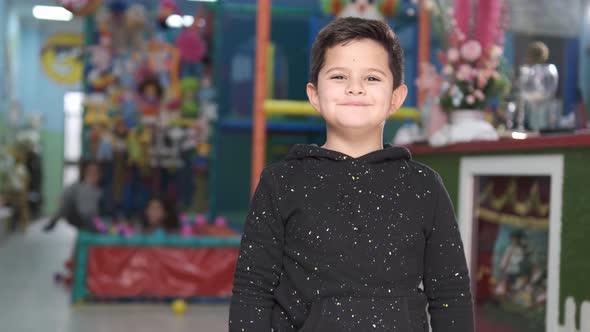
(465, 126)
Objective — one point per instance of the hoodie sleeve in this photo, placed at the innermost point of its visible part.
(446, 278)
(259, 262)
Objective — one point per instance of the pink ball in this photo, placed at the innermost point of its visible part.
(220, 222)
(186, 231)
(100, 225)
(184, 218)
(200, 220)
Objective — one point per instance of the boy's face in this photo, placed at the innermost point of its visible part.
(355, 87)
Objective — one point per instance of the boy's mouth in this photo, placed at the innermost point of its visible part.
(355, 104)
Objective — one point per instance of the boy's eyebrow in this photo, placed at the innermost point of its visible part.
(369, 69)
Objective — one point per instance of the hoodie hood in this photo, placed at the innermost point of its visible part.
(388, 153)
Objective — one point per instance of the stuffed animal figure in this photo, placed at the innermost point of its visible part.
(96, 109)
(165, 9)
(80, 7)
(150, 95)
(136, 27)
(189, 107)
(100, 76)
(370, 9)
(164, 62)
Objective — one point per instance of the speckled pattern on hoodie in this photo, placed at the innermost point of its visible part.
(335, 243)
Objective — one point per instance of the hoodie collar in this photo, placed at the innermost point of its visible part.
(389, 152)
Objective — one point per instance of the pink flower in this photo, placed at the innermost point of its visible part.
(471, 50)
(452, 55)
(496, 51)
(447, 70)
(470, 99)
(478, 94)
(483, 78)
(464, 72)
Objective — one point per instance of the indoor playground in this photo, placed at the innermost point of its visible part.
(133, 134)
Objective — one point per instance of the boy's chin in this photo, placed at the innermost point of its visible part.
(356, 126)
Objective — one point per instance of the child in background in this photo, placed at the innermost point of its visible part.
(160, 218)
(80, 201)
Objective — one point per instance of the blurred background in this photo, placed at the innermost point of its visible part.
(131, 138)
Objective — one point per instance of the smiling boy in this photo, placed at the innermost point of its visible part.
(352, 235)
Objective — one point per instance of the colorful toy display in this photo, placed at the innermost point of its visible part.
(143, 117)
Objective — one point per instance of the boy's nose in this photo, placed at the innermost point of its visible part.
(355, 89)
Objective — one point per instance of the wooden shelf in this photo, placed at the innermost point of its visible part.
(506, 144)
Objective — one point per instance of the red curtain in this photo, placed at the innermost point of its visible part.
(125, 271)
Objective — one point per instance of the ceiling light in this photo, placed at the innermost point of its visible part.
(55, 13)
(188, 20)
(174, 21)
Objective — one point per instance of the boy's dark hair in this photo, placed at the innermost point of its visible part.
(343, 30)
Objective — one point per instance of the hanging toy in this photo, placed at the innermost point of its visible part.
(165, 9)
(369, 9)
(389, 8)
(129, 110)
(186, 229)
(136, 24)
(96, 110)
(192, 48)
(80, 7)
(189, 104)
(100, 76)
(117, 19)
(150, 93)
(220, 221)
(100, 225)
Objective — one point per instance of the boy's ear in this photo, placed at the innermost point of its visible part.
(397, 100)
(312, 95)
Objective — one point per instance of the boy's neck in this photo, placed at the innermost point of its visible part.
(354, 146)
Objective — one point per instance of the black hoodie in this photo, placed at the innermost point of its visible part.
(336, 243)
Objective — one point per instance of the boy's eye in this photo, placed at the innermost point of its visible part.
(373, 79)
(337, 77)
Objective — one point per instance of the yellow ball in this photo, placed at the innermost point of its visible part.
(179, 306)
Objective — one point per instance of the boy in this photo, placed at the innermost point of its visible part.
(80, 201)
(351, 236)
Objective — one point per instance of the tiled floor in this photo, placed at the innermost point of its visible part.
(31, 302)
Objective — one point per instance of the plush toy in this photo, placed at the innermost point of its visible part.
(189, 107)
(146, 138)
(192, 48)
(164, 62)
(129, 112)
(150, 94)
(138, 146)
(119, 158)
(100, 225)
(165, 9)
(207, 97)
(80, 7)
(133, 147)
(136, 27)
(103, 27)
(370, 9)
(100, 76)
(96, 109)
(186, 229)
(105, 145)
